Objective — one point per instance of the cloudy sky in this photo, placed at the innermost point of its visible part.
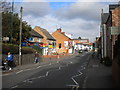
(74, 17)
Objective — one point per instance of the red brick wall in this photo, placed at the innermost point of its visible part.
(60, 38)
(116, 17)
(115, 66)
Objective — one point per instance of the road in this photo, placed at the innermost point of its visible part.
(67, 73)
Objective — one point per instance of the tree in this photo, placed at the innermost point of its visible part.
(79, 38)
(6, 27)
(6, 7)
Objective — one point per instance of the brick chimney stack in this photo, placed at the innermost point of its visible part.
(63, 32)
(59, 30)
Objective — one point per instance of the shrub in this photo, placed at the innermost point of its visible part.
(37, 48)
(14, 49)
(9, 48)
(27, 50)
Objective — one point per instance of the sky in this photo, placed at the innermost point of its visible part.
(74, 17)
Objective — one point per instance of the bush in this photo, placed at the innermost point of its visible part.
(27, 50)
(9, 48)
(37, 48)
(14, 49)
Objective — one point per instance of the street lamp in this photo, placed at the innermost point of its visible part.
(20, 35)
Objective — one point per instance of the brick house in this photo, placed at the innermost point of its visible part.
(76, 44)
(115, 36)
(110, 39)
(63, 43)
(48, 40)
(35, 37)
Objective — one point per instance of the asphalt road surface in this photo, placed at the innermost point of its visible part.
(67, 73)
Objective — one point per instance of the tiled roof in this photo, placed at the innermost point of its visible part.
(47, 34)
(104, 17)
(35, 34)
(113, 6)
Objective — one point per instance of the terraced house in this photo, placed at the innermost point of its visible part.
(63, 42)
(48, 40)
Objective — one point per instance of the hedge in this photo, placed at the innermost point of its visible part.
(14, 49)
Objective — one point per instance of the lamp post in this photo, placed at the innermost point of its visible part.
(20, 35)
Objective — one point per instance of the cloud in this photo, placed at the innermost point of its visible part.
(79, 19)
(87, 11)
(36, 9)
(77, 27)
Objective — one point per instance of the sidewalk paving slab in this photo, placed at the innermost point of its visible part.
(98, 75)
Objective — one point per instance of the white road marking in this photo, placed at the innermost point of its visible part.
(39, 66)
(50, 64)
(41, 76)
(59, 68)
(72, 85)
(19, 71)
(47, 73)
(15, 86)
(71, 62)
(74, 81)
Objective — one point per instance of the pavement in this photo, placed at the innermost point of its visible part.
(98, 75)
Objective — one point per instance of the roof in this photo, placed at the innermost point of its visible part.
(113, 6)
(35, 34)
(104, 18)
(65, 35)
(47, 34)
(75, 39)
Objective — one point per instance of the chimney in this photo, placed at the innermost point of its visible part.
(63, 32)
(59, 30)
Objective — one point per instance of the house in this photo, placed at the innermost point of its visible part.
(110, 39)
(77, 45)
(63, 42)
(34, 41)
(115, 37)
(48, 40)
(105, 35)
(85, 44)
(35, 37)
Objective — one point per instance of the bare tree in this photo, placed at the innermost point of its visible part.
(6, 6)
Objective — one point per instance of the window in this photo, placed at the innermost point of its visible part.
(59, 45)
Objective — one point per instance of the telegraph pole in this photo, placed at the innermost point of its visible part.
(20, 35)
(12, 21)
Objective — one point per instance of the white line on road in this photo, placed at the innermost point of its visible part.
(74, 81)
(39, 66)
(19, 71)
(50, 64)
(41, 76)
(47, 73)
(15, 86)
(71, 62)
(59, 68)
(72, 85)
